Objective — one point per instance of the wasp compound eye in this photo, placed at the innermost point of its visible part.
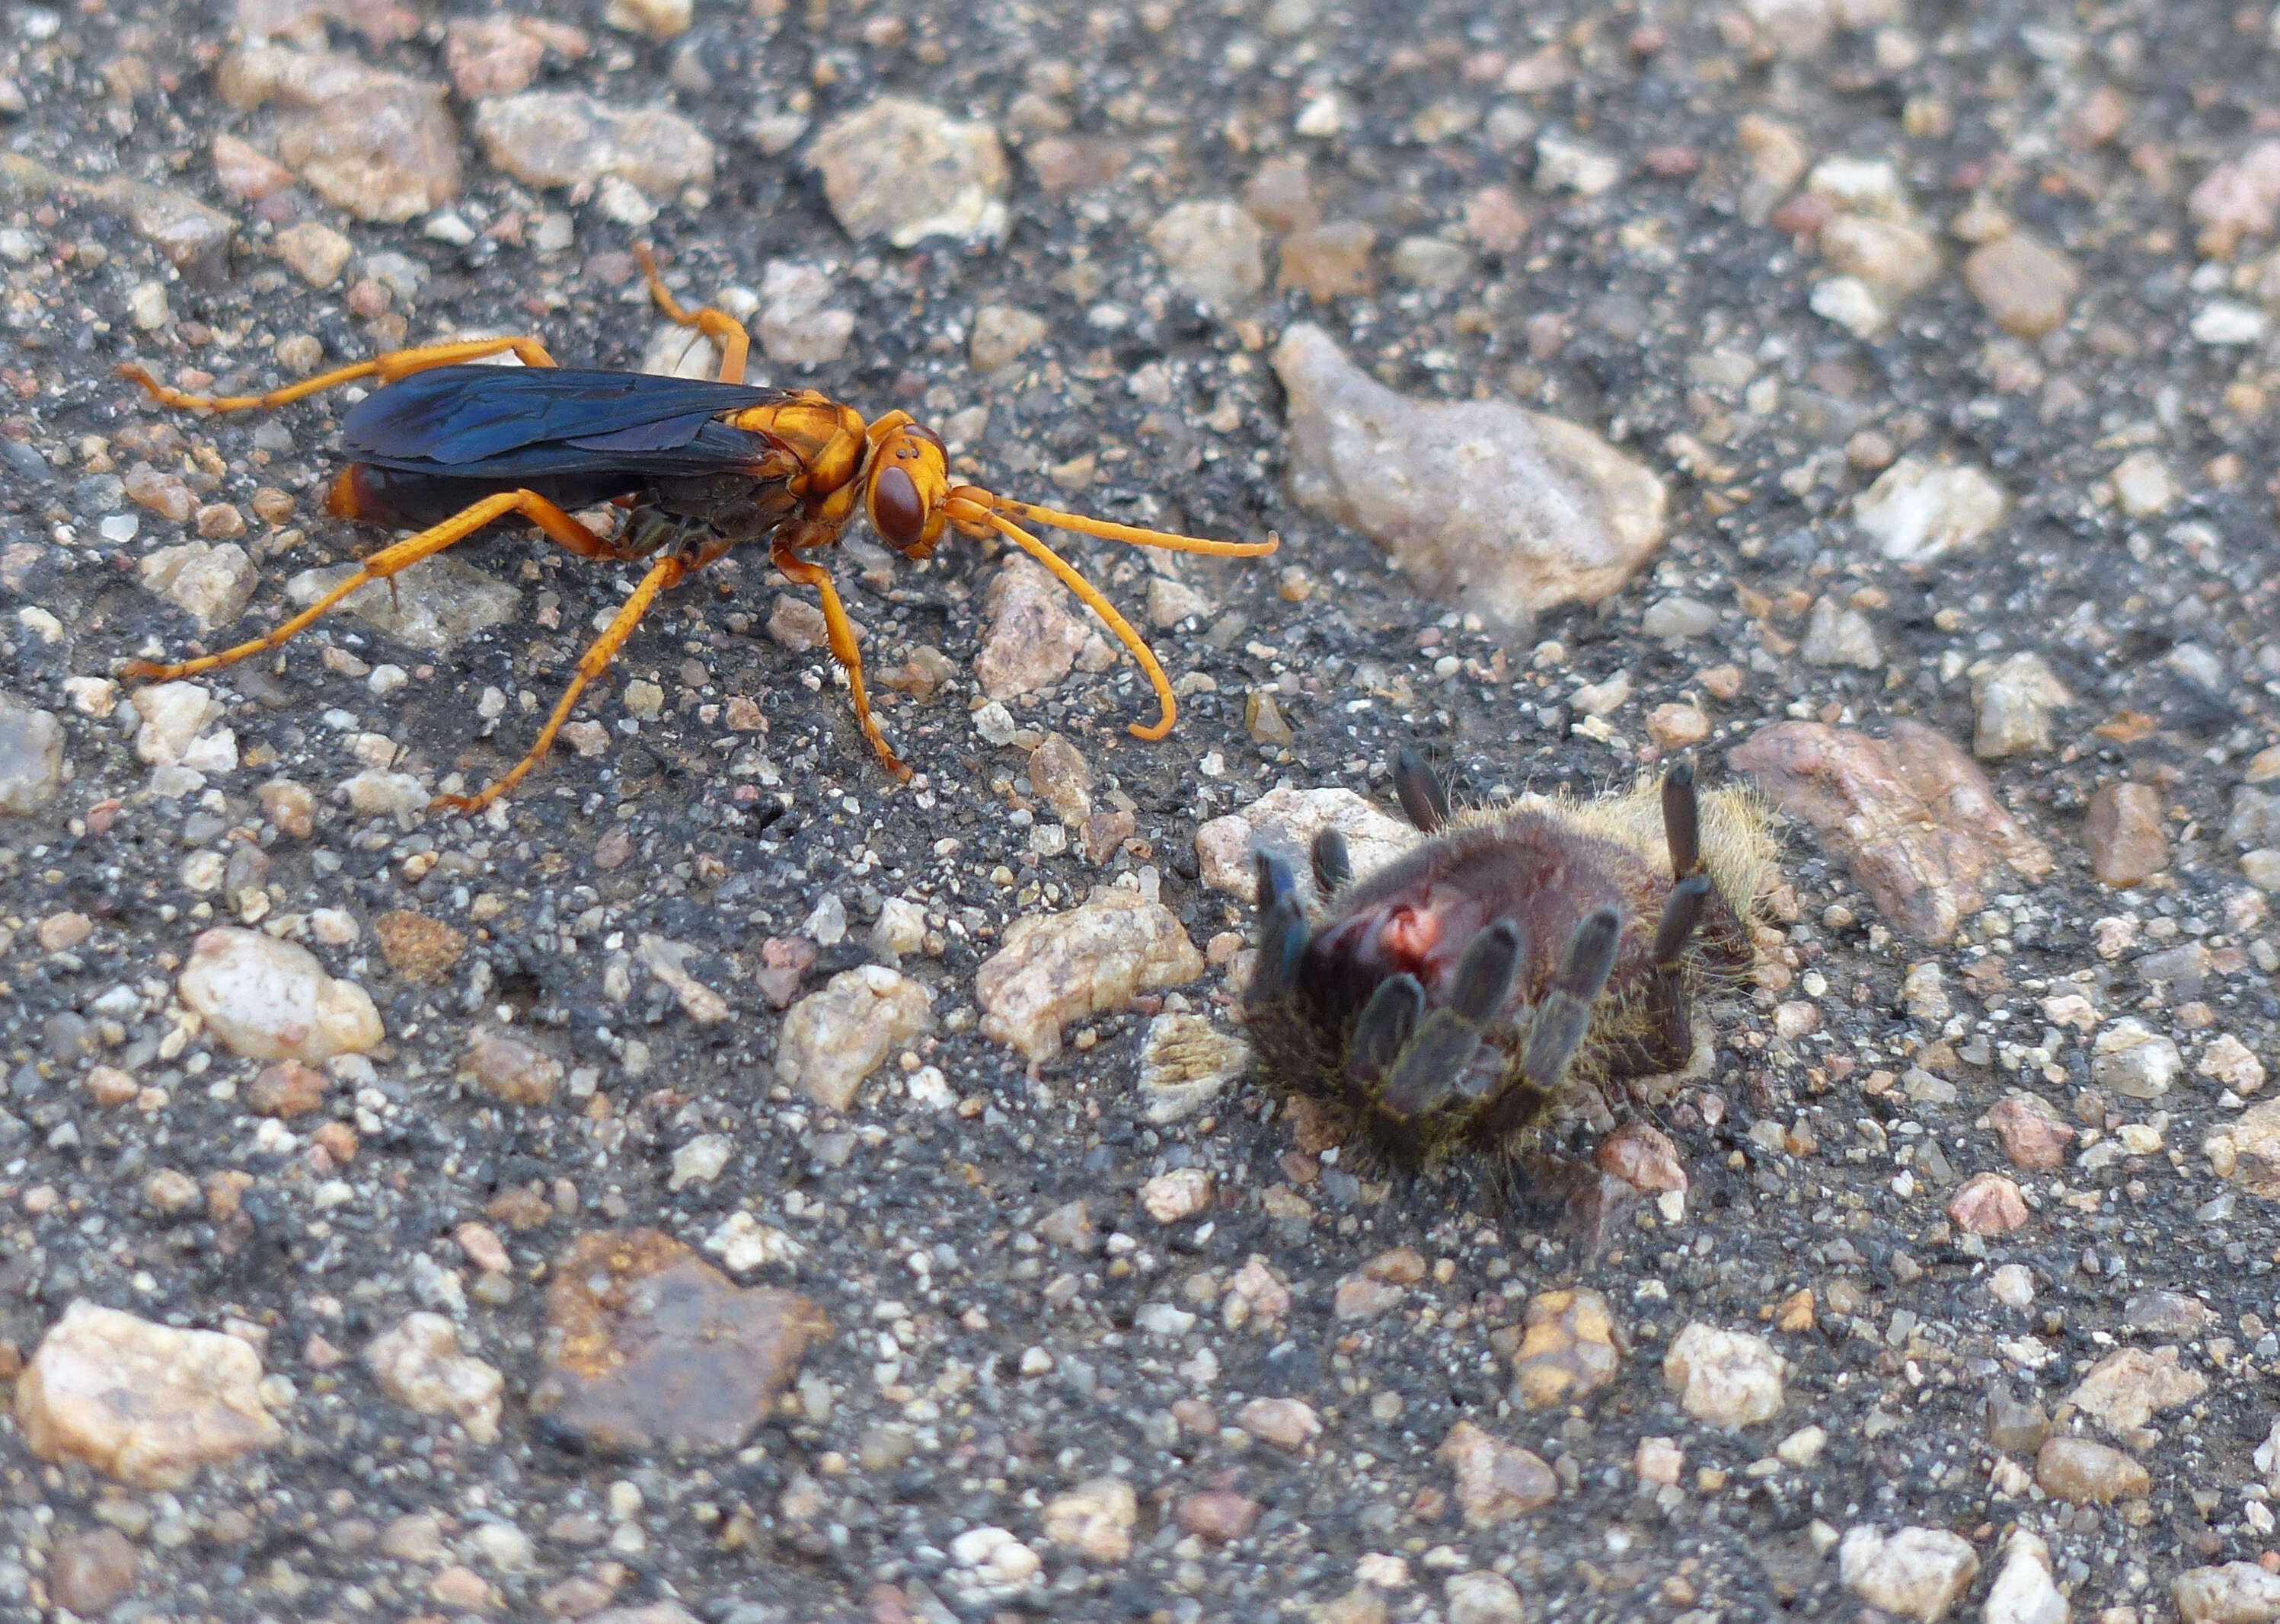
(896, 510)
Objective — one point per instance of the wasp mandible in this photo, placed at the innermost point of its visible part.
(446, 447)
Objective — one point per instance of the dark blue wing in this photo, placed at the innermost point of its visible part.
(524, 421)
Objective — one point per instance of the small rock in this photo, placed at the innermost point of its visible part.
(2144, 485)
(743, 1244)
(1574, 166)
(1095, 1520)
(1002, 335)
(1838, 635)
(88, 1572)
(2014, 1425)
(2034, 1137)
(650, 1348)
(1920, 1572)
(900, 929)
(2237, 1593)
(509, 1069)
(1185, 1064)
(437, 604)
(1432, 262)
(1212, 251)
(1285, 822)
(796, 327)
(2015, 701)
(1914, 816)
(247, 174)
(1328, 262)
(700, 1161)
(2237, 199)
(2025, 284)
(418, 1363)
(563, 138)
(1568, 1348)
(417, 947)
(666, 960)
(1034, 636)
(1219, 1515)
(287, 1089)
(1483, 1598)
(1496, 510)
(145, 1403)
(317, 253)
(1060, 774)
(271, 1000)
(380, 145)
(2126, 1389)
(2229, 1062)
(31, 756)
(1916, 512)
(2167, 1313)
(174, 715)
(1497, 1481)
(832, 1040)
(1677, 726)
(2083, 1472)
(907, 171)
(1055, 968)
(213, 583)
(1726, 1378)
(2124, 834)
(1176, 1197)
(193, 237)
(500, 55)
(660, 20)
(1988, 1204)
(2224, 324)
(2132, 1059)
(1287, 1423)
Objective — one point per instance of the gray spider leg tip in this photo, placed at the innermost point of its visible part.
(1332, 863)
(1384, 1026)
(1485, 975)
(1682, 915)
(1420, 791)
(1681, 818)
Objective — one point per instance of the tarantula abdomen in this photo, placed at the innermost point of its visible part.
(1451, 998)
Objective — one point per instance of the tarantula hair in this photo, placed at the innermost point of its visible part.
(1460, 995)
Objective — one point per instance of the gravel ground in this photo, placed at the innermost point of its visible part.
(718, 1183)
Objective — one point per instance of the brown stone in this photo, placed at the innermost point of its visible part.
(88, 1572)
(648, 1347)
(417, 947)
(2084, 1472)
(287, 1089)
(1989, 1204)
(1568, 1348)
(2123, 835)
(1329, 262)
(2034, 1138)
(509, 1069)
(1914, 815)
(1219, 1515)
(1495, 1481)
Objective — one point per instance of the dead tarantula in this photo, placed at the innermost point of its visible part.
(1452, 999)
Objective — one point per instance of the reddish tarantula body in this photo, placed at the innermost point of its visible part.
(1453, 998)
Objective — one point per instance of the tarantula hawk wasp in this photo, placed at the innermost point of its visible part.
(447, 447)
(1456, 998)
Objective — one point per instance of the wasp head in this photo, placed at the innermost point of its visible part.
(907, 484)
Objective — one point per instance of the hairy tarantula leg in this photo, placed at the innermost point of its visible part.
(1283, 931)
(1485, 975)
(1437, 1066)
(1385, 1024)
(1565, 1010)
(1420, 791)
(1682, 818)
(1333, 863)
(1669, 1042)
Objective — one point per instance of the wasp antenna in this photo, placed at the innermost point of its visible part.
(1163, 540)
(1333, 865)
(1681, 818)
(1091, 597)
(1420, 791)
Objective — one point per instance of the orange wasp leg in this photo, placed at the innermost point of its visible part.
(717, 325)
(385, 563)
(665, 573)
(387, 368)
(973, 509)
(841, 632)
